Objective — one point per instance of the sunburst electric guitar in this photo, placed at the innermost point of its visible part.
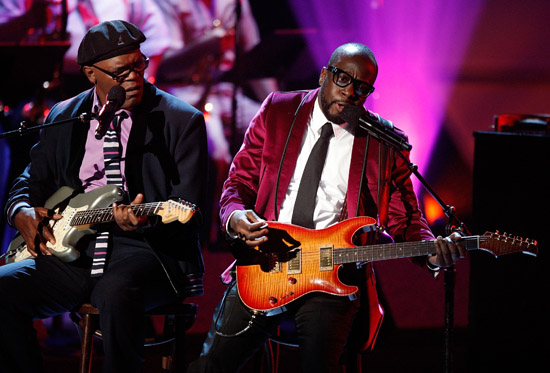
(296, 261)
(82, 212)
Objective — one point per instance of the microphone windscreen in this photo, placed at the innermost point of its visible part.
(117, 95)
(351, 114)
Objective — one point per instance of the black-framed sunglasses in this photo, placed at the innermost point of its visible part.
(343, 79)
(121, 74)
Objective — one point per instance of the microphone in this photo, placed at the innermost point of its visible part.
(115, 100)
(380, 128)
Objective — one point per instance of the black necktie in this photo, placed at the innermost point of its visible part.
(307, 192)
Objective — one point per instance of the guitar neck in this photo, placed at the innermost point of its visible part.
(379, 252)
(105, 215)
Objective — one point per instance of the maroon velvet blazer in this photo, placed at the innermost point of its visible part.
(258, 179)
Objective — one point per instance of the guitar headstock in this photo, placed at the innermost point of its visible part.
(502, 244)
(176, 210)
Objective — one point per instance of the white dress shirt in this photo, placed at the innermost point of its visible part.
(333, 186)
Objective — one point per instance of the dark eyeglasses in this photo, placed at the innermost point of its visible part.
(343, 79)
(121, 74)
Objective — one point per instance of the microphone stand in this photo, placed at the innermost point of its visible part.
(23, 129)
(454, 224)
(233, 147)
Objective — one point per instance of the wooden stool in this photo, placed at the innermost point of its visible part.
(178, 319)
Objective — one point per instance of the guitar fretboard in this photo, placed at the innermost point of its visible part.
(394, 251)
(104, 215)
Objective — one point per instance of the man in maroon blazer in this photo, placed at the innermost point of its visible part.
(361, 177)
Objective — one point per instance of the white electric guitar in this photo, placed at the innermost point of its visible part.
(81, 212)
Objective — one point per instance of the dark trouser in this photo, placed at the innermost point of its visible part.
(322, 322)
(39, 288)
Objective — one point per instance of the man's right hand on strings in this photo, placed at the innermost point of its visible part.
(247, 226)
(32, 224)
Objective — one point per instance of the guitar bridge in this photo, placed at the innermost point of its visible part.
(326, 262)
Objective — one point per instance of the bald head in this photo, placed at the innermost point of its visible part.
(352, 50)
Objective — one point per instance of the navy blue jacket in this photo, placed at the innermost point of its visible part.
(166, 158)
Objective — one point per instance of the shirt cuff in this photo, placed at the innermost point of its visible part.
(228, 230)
(14, 209)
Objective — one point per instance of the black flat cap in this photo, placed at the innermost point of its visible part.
(108, 39)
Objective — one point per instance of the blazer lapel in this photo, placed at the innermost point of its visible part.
(78, 136)
(294, 144)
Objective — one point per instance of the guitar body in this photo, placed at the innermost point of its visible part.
(66, 202)
(296, 261)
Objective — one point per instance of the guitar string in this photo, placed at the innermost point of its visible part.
(82, 217)
(411, 249)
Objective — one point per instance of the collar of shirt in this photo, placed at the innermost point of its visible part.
(92, 170)
(96, 105)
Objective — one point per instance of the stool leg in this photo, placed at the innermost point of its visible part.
(168, 356)
(87, 344)
(182, 323)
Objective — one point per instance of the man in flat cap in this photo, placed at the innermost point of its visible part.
(142, 146)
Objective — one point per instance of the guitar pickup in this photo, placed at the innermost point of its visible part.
(274, 263)
(294, 265)
(326, 262)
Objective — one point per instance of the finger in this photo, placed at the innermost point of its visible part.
(116, 212)
(137, 200)
(36, 244)
(256, 224)
(40, 247)
(44, 249)
(451, 248)
(120, 216)
(454, 246)
(51, 214)
(253, 218)
(255, 235)
(45, 214)
(457, 246)
(132, 216)
(257, 242)
(47, 234)
(460, 246)
(262, 224)
(443, 253)
(252, 242)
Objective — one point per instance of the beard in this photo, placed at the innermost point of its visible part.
(325, 108)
